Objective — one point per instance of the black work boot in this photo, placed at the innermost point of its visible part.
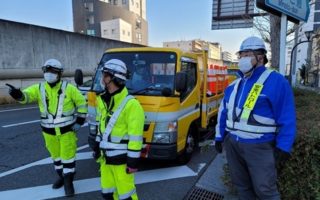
(59, 182)
(68, 184)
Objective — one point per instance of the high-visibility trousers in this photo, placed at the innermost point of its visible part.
(62, 146)
(115, 180)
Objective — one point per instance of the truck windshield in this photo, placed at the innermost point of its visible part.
(150, 72)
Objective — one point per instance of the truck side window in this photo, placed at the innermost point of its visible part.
(190, 69)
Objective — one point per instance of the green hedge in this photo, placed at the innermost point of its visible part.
(300, 177)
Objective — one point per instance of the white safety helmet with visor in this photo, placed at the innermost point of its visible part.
(116, 68)
(53, 64)
(52, 69)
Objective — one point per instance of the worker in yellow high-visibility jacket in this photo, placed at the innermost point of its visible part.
(119, 138)
(63, 110)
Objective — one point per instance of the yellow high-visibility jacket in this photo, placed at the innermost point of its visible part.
(124, 143)
(72, 105)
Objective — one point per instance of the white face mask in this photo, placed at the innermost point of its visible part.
(245, 64)
(50, 77)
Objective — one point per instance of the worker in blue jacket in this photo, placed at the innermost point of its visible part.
(256, 124)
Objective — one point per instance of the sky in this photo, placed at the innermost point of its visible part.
(168, 20)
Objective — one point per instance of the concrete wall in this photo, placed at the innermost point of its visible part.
(24, 49)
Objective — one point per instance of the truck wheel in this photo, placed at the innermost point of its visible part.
(185, 157)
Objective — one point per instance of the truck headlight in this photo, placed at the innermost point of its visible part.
(165, 132)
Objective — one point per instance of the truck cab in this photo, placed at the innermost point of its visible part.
(171, 87)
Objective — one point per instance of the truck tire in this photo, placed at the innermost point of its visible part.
(190, 146)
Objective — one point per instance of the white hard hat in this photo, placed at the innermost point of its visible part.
(53, 64)
(253, 44)
(117, 68)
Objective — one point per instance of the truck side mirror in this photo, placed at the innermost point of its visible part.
(78, 77)
(181, 82)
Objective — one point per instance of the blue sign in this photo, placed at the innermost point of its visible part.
(298, 9)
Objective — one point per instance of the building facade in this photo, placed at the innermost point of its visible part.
(307, 53)
(123, 20)
(214, 49)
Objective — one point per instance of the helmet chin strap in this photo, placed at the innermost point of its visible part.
(107, 84)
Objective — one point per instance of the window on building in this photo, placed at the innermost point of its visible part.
(139, 37)
(88, 6)
(129, 33)
(137, 5)
(105, 32)
(91, 32)
(123, 32)
(132, 2)
(115, 2)
(91, 19)
(113, 31)
(138, 24)
(124, 2)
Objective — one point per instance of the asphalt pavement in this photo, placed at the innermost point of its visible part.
(210, 184)
(25, 166)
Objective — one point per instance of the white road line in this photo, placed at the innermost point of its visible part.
(79, 156)
(21, 123)
(17, 109)
(93, 184)
(201, 166)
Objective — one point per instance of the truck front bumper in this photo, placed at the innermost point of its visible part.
(160, 152)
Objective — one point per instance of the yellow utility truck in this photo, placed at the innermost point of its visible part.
(171, 86)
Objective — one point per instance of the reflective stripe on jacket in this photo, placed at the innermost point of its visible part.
(60, 105)
(124, 143)
(272, 118)
(241, 120)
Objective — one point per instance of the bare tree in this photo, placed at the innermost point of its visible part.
(275, 23)
(268, 27)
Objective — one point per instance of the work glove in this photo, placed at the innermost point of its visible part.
(93, 144)
(218, 146)
(280, 157)
(14, 92)
(96, 155)
(76, 127)
(130, 170)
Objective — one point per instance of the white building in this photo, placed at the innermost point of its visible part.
(123, 20)
(116, 29)
(184, 45)
(302, 52)
(226, 56)
(214, 49)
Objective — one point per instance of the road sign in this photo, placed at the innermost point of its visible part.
(298, 9)
(229, 14)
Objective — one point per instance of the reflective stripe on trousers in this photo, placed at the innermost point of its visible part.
(114, 179)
